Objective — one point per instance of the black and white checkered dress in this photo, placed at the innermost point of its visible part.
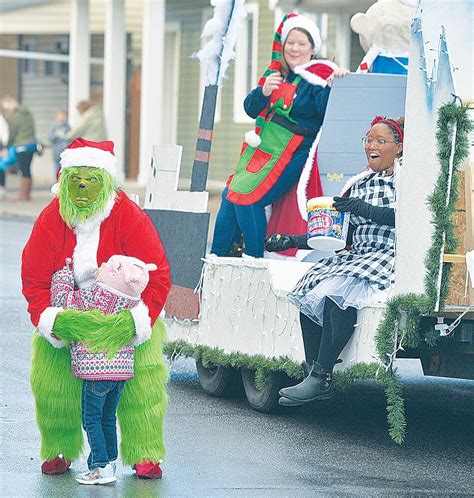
(368, 266)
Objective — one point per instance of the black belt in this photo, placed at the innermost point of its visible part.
(286, 123)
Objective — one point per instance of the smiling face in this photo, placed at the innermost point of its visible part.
(84, 186)
(381, 149)
(297, 49)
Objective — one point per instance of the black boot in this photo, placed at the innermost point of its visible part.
(318, 385)
(288, 402)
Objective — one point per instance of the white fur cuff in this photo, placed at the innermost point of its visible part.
(45, 326)
(142, 321)
(253, 139)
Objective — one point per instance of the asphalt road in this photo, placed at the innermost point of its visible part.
(221, 448)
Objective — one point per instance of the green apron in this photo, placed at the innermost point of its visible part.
(259, 168)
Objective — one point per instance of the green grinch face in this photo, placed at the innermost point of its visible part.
(84, 187)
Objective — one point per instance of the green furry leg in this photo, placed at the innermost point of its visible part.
(142, 407)
(57, 400)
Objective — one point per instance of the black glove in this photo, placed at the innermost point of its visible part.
(280, 242)
(358, 207)
(354, 205)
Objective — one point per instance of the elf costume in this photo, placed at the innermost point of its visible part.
(287, 124)
(90, 237)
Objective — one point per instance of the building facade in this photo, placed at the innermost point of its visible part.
(134, 57)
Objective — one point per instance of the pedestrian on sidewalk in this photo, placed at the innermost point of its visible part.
(22, 137)
(4, 135)
(119, 284)
(57, 137)
(91, 124)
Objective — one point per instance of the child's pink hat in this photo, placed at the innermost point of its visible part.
(125, 274)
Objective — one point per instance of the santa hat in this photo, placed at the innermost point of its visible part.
(83, 152)
(290, 21)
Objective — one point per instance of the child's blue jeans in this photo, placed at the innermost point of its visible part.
(99, 408)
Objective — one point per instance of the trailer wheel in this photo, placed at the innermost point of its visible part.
(219, 381)
(266, 399)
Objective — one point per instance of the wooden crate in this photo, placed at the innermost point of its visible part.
(463, 219)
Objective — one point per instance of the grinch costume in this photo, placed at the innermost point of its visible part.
(71, 227)
(275, 154)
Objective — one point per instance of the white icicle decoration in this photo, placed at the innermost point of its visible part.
(223, 29)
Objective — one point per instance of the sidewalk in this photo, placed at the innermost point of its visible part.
(41, 196)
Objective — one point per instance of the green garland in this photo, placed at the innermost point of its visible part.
(401, 323)
(442, 213)
(264, 366)
(400, 326)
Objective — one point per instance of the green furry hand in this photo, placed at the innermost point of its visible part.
(98, 331)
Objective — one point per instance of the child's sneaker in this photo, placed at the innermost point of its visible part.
(100, 475)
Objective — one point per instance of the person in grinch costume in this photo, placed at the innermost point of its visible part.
(289, 105)
(89, 221)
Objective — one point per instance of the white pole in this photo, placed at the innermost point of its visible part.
(115, 58)
(79, 57)
(151, 105)
(453, 130)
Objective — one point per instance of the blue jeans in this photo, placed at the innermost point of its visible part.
(235, 219)
(99, 407)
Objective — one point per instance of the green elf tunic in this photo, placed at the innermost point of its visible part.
(288, 122)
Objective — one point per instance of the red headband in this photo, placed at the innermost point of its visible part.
(391, 122)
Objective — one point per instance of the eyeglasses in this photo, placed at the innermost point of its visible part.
(368, 141)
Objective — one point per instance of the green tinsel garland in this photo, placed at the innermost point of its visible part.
(442, 213)
(402, 317)
(264, 366)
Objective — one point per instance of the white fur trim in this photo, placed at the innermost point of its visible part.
(368, 59)
(253, 139)
(305, 23)
(45, 326)
(310, 77)
(355, 179)
(89, 156)
(303, 182)
(55, 189)
(87, 244)
(142, 320)
(365, 173)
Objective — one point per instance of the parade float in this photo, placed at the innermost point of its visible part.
(232, 314)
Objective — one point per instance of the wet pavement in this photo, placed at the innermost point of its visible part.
(221, 448)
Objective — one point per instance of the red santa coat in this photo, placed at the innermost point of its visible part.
(123, 228)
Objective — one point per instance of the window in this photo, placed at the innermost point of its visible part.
(62, 47)
(29, 66)
(245, 69)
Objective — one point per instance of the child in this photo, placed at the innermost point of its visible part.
(119, 283)
(57, 136)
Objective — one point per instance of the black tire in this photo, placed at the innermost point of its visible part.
(265, 400)
(218, 381)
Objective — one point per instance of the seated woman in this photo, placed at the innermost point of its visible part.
(289, 105)
(330, 293)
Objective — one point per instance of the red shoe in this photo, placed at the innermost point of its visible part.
(58, 465)
(148, 470)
